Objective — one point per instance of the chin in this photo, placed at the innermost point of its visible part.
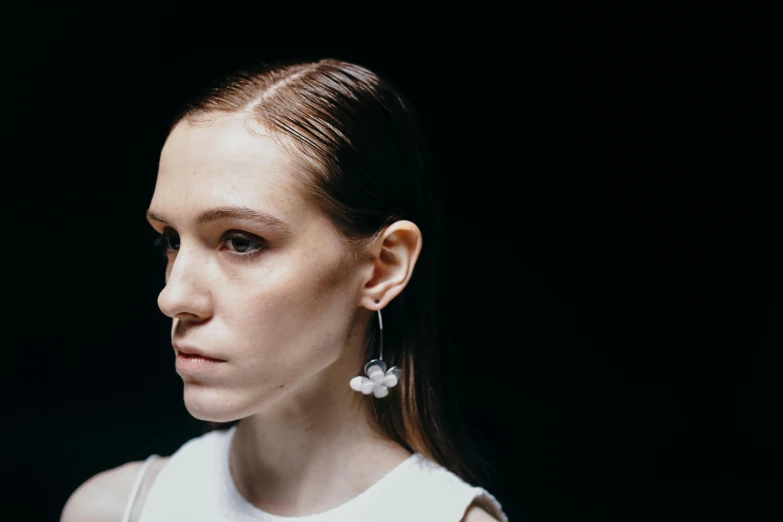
(208, 404)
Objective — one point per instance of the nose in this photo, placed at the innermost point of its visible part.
(185, 293)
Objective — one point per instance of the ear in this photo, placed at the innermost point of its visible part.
(390, 264)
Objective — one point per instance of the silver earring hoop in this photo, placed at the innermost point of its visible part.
(379, 379)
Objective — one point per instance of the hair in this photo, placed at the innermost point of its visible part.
(366, 164)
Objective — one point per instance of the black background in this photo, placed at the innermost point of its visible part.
(614, 274)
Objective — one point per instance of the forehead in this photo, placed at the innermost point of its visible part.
(219, 162)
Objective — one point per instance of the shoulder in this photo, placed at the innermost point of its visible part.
(441, 486)
(476, 514)
(102, 497)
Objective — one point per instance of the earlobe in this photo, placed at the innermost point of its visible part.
(398, 249)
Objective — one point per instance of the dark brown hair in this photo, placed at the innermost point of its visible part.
(365, 164)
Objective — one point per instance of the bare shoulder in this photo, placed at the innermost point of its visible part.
(102, 497)
(476, 514)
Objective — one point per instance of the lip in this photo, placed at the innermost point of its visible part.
(195, 352)
(191, 360)
(196, 364)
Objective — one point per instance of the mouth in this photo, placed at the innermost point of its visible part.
(196, 364)
(196, 357)
(192, 353)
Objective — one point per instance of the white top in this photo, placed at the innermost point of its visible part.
(196, 485)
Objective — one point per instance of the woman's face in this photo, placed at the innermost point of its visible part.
(275, 297)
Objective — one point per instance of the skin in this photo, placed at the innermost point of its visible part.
(289, 321)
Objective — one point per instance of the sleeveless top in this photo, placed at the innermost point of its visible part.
(196, 485)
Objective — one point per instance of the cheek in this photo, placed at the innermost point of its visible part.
(283, 323)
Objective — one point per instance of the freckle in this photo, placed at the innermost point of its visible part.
(282, 385)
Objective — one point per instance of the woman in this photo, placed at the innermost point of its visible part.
(293, 204)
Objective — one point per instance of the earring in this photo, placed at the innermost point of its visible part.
(379, 379)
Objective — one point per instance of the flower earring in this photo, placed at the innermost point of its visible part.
(379, 379)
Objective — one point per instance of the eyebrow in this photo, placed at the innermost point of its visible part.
(228, 212)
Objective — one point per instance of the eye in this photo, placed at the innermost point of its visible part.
(163, 244)
(243, 243)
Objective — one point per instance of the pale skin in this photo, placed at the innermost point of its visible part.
(285, 305)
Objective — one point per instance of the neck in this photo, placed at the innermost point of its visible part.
(285, 460)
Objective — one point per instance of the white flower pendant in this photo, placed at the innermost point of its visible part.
(379, 381)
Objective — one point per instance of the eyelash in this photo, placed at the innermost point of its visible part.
(161, 244)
